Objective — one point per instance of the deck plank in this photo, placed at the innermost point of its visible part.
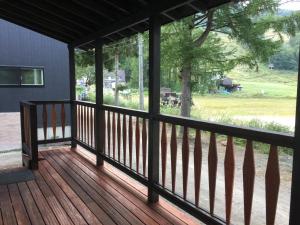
(86, 184)
(69, 189)
(8, 214)
(58, 210)
(114, 187)
(31, 208)
(163, 207)
(18, 205)
(82, 206)
(105, 187)
(66, 203)
(42, 204)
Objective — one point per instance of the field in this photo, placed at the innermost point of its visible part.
(267, 97)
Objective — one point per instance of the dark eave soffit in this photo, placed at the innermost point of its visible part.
(79, 23)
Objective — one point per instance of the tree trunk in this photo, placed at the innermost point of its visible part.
(186, 95)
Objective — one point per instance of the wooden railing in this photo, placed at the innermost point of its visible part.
(121, 138)
(53, 119)
(189, 133)
(29, 135)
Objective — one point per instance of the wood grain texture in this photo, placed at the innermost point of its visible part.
(45, 121)
(185, 160)
(84, 123)
(78, 121)
(130, 136)
(197, 165)
(114, 135)
(173, 147)
(124, 139)
(229, 167)
(248, 181)
(212, 170)
(163, 148)
(108, 133)
(119, 136)
(272, 182)
(92, 126)
(144, 146)
(88, 119)
(63, 119)
(81, 122)
(53, 120)
(137, 143)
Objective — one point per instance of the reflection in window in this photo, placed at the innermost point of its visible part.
(21, 76)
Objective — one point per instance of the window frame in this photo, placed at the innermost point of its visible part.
(20, 85)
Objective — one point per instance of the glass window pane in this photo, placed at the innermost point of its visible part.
(9, 76)
(32, 77)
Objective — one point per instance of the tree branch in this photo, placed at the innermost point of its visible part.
(198, 42)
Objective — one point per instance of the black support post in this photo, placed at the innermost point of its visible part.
(72, 78)
(99, 120)
(154, 105)
(295, 192)
(34, 138)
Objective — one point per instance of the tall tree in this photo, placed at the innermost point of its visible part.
(193, 46)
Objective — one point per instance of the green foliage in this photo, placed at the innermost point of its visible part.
(287, 58)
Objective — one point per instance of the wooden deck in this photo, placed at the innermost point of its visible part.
(69, 189)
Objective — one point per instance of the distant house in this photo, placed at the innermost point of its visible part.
(32, 66)
(110, 80)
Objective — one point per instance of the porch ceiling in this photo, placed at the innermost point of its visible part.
(80, 22)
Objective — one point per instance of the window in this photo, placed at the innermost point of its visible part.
(21, 76)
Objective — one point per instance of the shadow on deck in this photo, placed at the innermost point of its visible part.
(69, 189)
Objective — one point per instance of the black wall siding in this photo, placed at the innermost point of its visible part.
(23, 47)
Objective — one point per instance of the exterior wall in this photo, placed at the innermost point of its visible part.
(23, 47)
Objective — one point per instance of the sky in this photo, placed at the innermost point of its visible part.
(290, 4)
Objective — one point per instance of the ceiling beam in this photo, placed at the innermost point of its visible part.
(29, 12)
(59, 14)
(24, 23)
(98, 9)
(143, 15)
(87, 15)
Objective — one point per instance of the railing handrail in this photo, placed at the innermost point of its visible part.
(254, 134)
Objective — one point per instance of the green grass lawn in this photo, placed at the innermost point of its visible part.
(267, 93)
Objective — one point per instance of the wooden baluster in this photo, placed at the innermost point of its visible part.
(248, 181)
(185, 160)
(229, 166)
(92, 126)
(144, 145)
(81, 123)
(137, 143)
(53, 120)
(124, 138)
(197, 165)
(163, 143)
(63, 119)
(212, 170)
(173, 147)
(108, 132)
(88, 125)
(78, 121)
(114, 135)
(119, 136)
(272, 179)
(45, 121)
(130, 142)
(85, 118)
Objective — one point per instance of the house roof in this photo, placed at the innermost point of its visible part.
(79, 22)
